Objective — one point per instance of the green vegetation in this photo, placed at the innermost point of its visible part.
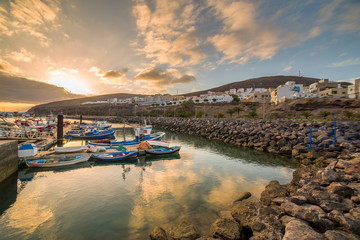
(348, 114)
(169, 112)
(252, 114)
(236, 98)
(219, 115)
(230, 111)
(214, 99)
(324, 114)
(206, 100)
(306, 114)
(238, 110)
(199, 113)
(289, 114)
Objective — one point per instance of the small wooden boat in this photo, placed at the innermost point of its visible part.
(133, 143)
(91, 134)
(70, 149)
(158, 143)
(58, 160)
(162, 151)
(115, 156)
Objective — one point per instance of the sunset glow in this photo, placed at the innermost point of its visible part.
(166, 46)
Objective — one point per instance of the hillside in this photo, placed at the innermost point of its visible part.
(262, 82)
(74, 105)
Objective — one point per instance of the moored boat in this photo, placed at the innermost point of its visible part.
(90, 134)
(70, 149)
(163, 151)
(115, 156)
(58, 160)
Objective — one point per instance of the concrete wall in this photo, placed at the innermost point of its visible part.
(8, 158)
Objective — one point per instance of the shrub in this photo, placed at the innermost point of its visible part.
(306, 114)
(348, 114)
(324, 114)
(199, 113)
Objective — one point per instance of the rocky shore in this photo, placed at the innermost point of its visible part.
(321, 202)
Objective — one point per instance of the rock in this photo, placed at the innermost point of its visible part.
(272, 190)
(207, 238)
(345, 222)
(226, 228)
(183, 231)
(225, 214)
(310, 213)
(340, 189)
(158, 234)
(297, 229)
(355, 213)
(243, 196)
(340, 235)
(328, 175)
(299, 200)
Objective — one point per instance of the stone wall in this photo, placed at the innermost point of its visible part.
(281, 137)
(8, 158)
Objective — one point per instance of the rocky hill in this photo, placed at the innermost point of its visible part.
(262, 82)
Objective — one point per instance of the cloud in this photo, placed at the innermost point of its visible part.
(22, 56)
(160, 78)
(34, 17)
(288, 68)
(346, 63)
(167, 32)
(350, 18)
(112, 76)
(23, 90)
(7, 67)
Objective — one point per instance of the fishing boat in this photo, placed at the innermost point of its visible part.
(89, 135)
(58, 160)
(141, 134)
(115, 156)
(70, 149)
(162, 151)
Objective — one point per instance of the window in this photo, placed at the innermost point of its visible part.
(333, 92)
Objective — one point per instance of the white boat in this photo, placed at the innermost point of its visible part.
(58, 160)
(70, 149)
(158, 143)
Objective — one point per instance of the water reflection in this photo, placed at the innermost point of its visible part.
(125, 200)
(8, 192)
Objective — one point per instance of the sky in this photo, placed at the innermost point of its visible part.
(53, 50)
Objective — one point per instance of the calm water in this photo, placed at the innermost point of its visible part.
(125, 201)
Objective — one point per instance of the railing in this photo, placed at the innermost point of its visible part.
(10, 132)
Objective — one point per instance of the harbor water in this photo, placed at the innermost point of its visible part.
(127, 200)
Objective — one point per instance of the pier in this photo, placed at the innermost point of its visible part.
(8, 158)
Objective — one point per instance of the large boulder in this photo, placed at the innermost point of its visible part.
(340, 235)
(297, 229)
(183, 231)
(158, 234)
(226, 228)
(272, 190)
(243, 196)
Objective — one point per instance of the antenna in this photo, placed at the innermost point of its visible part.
(299, 73)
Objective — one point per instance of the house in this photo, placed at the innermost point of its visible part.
(261, 97)
(289, 91)
(340, 92)
(354, 90)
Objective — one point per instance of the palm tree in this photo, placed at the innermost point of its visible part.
(238, 110)
(230, 111)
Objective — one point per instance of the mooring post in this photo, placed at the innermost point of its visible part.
(334, 133)
(310, 138)
(60, 129)
(80, 119)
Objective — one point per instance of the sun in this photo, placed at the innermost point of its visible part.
(70, 83)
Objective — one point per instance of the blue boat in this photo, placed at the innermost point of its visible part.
(90, 135)
(145, 133)
(115, 156)
(163, 151)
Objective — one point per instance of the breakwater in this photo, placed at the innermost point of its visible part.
(321, 202)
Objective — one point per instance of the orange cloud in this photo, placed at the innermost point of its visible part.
(159, 78)
(34, 17)
(112, 76)
(168, 34)
(22, 56)
(7, 67)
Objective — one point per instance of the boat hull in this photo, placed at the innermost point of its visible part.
(163, 151)
(153, 137)
(116, 156)
(100, 135)
(70, 149)
(60, 161)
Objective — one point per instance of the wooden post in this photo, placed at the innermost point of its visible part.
(60, 128)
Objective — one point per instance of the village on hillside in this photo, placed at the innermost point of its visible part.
(288, 91)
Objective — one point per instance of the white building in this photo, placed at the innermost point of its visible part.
(354, 90)
(289, 91)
